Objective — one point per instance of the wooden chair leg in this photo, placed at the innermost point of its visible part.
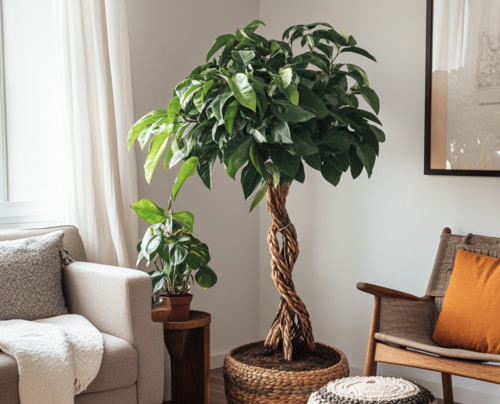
(370, 364)
(447, 388)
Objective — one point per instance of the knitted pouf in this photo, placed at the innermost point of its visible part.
(376, 389)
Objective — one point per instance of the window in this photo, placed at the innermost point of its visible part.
(32, 116)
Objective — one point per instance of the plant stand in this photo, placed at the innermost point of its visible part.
(188, 343)
(252, 384)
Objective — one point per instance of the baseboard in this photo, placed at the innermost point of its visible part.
(217, 361)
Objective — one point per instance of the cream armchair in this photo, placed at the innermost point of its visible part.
(118, 302)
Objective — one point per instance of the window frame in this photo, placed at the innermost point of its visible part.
(16, 214)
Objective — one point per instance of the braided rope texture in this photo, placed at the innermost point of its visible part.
(251, 384)
(372, 390)
(291, 325)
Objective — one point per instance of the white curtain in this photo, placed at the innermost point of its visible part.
(101, 181)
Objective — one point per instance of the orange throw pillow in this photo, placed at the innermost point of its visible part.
(471, 306)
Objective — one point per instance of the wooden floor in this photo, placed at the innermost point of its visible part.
(217, 395)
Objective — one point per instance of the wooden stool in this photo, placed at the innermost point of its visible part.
(188, 343)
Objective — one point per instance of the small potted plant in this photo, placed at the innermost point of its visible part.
(170, 247)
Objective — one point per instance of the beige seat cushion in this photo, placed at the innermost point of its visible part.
(425, 343)
(118, 369)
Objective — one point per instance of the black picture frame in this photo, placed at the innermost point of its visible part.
(428, 98)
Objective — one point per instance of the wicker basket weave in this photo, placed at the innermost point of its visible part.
(251, 384)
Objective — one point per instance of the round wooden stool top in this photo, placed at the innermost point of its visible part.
(197, 319)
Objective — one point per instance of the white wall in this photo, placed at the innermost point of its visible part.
(384, 230)
(168, 39)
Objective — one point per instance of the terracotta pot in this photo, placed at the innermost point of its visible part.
(179, 304)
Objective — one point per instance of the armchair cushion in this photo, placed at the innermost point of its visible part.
(470, 304)
(408, 323)
(30, 270)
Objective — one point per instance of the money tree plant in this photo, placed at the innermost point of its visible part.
(257, 106)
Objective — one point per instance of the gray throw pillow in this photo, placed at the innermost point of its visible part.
(30, 277)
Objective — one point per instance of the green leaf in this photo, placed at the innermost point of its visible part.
(286, 76)
(152, 245)
(302, 145)
(178, 253)
(313, 161)
(174, 106)
(338, 141)
(140, 257)
(219, 43)
(367, 156)
(254, 25)
(187, 170)
(356, 164)
(345, 35)
(371, 98)
(292, 113)
(243, 91)
(261, 101)
(343, 159)
(257, 160)
(201, 69)
(156, 149)
(148, 211)
(236, 154)
(352, 101)
(199, 255)
(141, 124)
(205, 166)
(158, 283)
(250, 180)
(285, 162)
(280, 132)
(199, 99)
(184, 99)
(243, 57)
(359, 51)
(292, 94)
(329, 171)
(315, 59)
(312, 102)
(367, 115)
(230, 116)
(185, 218)
(271, 169)
(153, 129)
(379, 134)
(205, 277)
(301, 174)
(259, 195)
(219, 102)
(179, 155)
(354, 68)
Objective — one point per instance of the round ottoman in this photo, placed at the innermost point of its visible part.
(372, 390)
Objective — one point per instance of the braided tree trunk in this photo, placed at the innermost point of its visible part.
(291, 324)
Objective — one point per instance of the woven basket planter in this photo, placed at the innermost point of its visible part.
(250, 384)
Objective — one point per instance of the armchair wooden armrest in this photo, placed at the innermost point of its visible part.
(380, 291)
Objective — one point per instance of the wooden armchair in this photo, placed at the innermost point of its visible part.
(402, 324)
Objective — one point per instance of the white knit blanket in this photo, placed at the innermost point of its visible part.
(57, 357)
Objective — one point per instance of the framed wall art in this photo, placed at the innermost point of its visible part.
(463, 88)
